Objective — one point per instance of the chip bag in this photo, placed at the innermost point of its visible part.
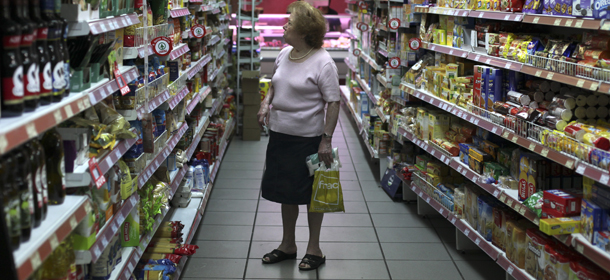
(327, 195)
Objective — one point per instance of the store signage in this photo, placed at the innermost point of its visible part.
(120, 80)
(414, 44)
(356, 52)
(363, 27)
(394, 23)
(198, 31)
(96, 173)
(162, 45)
(394, 62)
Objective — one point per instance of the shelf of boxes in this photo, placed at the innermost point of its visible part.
(372, 152)
(98, 26)
(52, 231)
(384, 81)
(369, 60)
(366, 89)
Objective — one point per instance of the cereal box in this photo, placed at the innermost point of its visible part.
(582, 8)
(592, 219)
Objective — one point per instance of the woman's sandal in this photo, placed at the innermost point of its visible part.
(276, 256)
(312, 261)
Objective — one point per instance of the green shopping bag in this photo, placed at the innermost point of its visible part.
(327, 195)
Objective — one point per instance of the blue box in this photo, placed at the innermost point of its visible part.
(494, 87)
(593, 219)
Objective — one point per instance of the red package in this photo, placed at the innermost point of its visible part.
(129, 41)
(562, 202)
(514, 6)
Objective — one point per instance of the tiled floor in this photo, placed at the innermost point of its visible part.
(376, 238)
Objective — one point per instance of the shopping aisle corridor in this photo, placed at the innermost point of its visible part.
(375, 238)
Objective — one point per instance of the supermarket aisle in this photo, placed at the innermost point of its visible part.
(375, 239)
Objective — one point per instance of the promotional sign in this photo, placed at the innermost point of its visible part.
(96, 173)
(162, 46)
(198, 31)
(394, 62)
(414, 44)
(120, 80)
(394, 23)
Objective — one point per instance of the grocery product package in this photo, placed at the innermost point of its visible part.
(130, 230)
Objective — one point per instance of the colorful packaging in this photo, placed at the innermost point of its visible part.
(494, 87)
(534, 256)
(557, 226)
(130, 230)
(562, 202)
(600, 9)
(486, 219)
(593, 219)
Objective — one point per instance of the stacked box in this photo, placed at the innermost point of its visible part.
(252, 101)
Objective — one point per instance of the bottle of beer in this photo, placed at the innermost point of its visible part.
(34, 166)
(29, 56)
(53, 45)
(44, 66)
(64, 46)
(42, 194)
(10, 201)
(12, 68)
(54, 155)
(23, 178)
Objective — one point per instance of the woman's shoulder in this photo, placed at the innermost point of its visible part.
(324, 56)
(284, 52)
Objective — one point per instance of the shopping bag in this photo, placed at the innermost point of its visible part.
(327, 195)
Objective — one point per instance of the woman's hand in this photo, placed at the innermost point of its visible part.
(325, 151)
(263, 115)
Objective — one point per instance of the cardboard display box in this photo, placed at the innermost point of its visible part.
(252, 134)
(250, 116)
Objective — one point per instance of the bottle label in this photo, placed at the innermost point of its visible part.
(27, 39)
(30, 193)
(59, 82)
(11, 42)
(73, 274)
(15, 216)
(12, 87)
(47, 78)
(38, 187)
(45, 184)
(42, 33)
(25, 207)
(32, 82)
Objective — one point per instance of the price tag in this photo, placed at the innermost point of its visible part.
(515, 138)
(580, 83)
(433, 152)
(579, 23)
(104, 241)
(580, 169)
(441, 211)
(557, 22)
(30, 128)
(428, 200)
(53, 241)
(487, 61)
(538, 73)
(459, 169)
(130, 266)
(453, 220)
(496, 192)
(466, 232)
(522, 210)
(103, 27)
(545, 152)
(93, 29)
(57, 116)
(413, 188)
(114, 227)
(518, 18)
(68, 110)
(536, 19)
(421, 194)
(451, 52)
(508, 65)
(477, 57)
(593, 86)
(505, 135)
(109, 88)
(481, 15)
(503, 198)
(443, 158)
(73, 222)
(476, 122)
(433, 47)
(494, 129)
(604, 178)
(464, 172)
(506, 17)
(550, 75)
(580, 248)
(128, 19)
(568, 22)
(570, 164)
(474, 178)
(532, 146)
(510, 270)
(123, 21)
(477, 241)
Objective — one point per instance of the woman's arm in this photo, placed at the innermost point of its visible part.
(332, 116)
(263, 112)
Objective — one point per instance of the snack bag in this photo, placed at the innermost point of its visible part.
(327, 195)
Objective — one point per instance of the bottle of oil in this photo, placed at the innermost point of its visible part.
(10, 201)
(57, 266)
(23, 178)
(41, 177)
(54, 155)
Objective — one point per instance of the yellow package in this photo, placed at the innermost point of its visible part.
(557, 226)
(442, 21)
(495, 5)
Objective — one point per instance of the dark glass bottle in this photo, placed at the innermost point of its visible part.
(12, 67)
(34, 166)
(10, 201)
(29, 56)
(44, 65)
(54, 155)
(64, 47)
(23, 179)
(53, 45)
(41, 176)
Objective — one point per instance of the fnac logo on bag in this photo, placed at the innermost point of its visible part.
(328, 186)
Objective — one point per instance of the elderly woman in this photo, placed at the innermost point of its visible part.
(304, 82)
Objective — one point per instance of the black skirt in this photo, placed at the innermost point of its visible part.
(286, 178)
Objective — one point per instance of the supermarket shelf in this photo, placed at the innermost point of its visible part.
(346, 96)
(583, 246)
(421, 9)
(132, 255)
(497, 15)
(351, 35)
(249, 60)
(179, 12)
(153, 104)
(81, 177)
(448, 11)
(366, 89)
(173, 102)
(200, 130)
(562, 78)
(98, 26)
(106, 233)
(496, 61)
(533, 146)
(384, 81)
(383, 52)
(190, 106)
(53, 230)
(215, 39)
(135, 52)
(594, 24)
(593, 172)
(370, 61)
(176, 177)
(381, 115)
(223, 146)
(349, 65)
(104, 88)
(152, 166)
(248, 34)
(445, 49)
(197, 66)
(179, 51)
(247, 18)
(372, 152)
(399, 100)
